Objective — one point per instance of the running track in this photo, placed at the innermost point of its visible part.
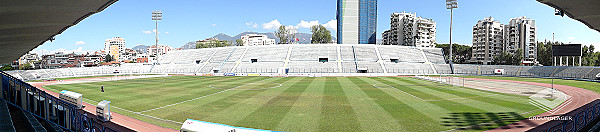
(579, 98)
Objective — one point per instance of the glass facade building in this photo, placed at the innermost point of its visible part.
(357, 21)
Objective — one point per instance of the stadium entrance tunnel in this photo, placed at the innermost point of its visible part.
(249, 86)
(394, 60)
(362, 70)
(323, 59)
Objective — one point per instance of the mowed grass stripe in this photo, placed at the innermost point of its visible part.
(170, 93)
(446, 104)
(474, 104)
(306, 111)
(408, 117)
(431, 110)
(139, 100)
(213, 108)
(506, 104)
(481, 93)
(408, 89)
(370, 114)
(166, 91)
(271, 113)
(247, 104)
(336, 113)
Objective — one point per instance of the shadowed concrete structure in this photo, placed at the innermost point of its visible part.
(585, 11)
(26, 24)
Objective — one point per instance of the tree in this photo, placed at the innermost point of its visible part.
(7, 68)
(461, 53)
(544, 53)
(239, 42)
(320, 35)
(212, 44)
(108, 58)
(517, 58)
(506, 58)
(285, 34)
(26, 66)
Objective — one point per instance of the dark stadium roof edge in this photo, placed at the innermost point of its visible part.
(25, 25)
(585, 11)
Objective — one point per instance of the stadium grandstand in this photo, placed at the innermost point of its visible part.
(344, 58)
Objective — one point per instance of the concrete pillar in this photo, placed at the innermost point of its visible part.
(567, 61)
(573, 61)
(554, 59)
(560, 64)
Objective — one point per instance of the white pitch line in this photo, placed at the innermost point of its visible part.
(375, 85)
(201, 97)
(463, 98)
(536, 104)
(159, 118)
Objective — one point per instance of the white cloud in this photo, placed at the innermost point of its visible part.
(147, 32)
(166, 32)
(331, 25)
(273, 25)
(305, 24)
(79, 43)
(251, 24)
(571, 38)
(214, 25)
(292, 29)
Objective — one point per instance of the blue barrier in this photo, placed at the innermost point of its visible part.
(580, 120)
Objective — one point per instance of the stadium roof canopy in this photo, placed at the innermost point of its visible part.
(26, 24)
(585, 11)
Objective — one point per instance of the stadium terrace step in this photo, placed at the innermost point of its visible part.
(33, 123)
(19, 123)
(6, 124)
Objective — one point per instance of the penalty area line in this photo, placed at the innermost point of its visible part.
(202, 96)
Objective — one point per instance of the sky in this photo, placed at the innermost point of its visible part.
(191, 20)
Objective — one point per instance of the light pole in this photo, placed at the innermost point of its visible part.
(451, 4)
(156, 16)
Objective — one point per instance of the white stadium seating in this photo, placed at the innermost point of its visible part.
(305, 59)
(310, 53)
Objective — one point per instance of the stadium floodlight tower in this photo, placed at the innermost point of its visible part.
(451, 4)
(156, 16)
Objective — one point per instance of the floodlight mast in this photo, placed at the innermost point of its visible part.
(451, 4)
(156, 16)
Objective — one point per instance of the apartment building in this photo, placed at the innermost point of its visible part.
(488, 40)
(407, 29)
(491, 38)
(521, 34)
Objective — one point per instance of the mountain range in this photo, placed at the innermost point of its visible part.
(141, 48)
(303, 37)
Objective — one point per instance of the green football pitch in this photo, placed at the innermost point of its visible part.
(307, 103)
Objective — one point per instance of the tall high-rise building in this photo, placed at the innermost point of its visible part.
(357, 21)
(521, 34)
(488, 40)
(409, 30)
